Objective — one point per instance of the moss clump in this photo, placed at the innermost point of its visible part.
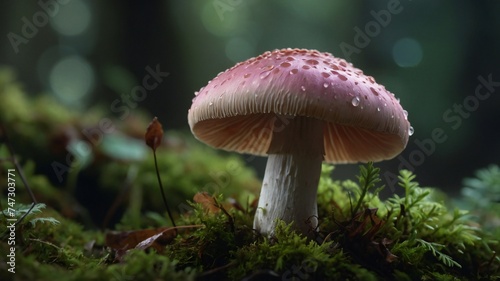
(406, 237)
(71, 161)
(413, 235)
(409, 237)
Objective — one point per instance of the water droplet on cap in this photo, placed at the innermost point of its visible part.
(264, 74)
(355, 101)
(411, 131)
(325, 85)
(312, 62)
(405, 114)
(342, 77)
(378, 109)
(211, 103)
(285, 64)
(303, 88)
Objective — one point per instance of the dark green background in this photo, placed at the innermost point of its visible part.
(449, 44)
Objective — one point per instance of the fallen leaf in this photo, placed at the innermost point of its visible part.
(154, 134)
(152, 241)
(207, 201)
(130, 239)
(157, 238)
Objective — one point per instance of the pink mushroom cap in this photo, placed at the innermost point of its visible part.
(241, 108)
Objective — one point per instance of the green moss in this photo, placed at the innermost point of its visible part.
(418, 233)
(409, 237)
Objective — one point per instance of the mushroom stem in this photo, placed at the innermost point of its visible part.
(291, 178)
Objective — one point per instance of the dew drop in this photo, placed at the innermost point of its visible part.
(294, 71)
(268, 67)
(196, 93)
(312, 62)
(325, 85)
(264, 74)
(303, 88)
(342, 77)
(405, 114)
(355, 101)
(378, 109)
(211, 103)
(411, 131)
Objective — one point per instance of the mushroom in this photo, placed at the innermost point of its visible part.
(300, 107)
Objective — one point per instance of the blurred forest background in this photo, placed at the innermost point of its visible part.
(429, 53)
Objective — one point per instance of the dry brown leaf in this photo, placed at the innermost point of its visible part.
(157, 238)
(126, 240)
(154, 134)
(207, 201)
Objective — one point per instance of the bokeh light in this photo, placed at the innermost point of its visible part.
(71, 80)
(224, 22)
(407, 52)
(73, 19)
